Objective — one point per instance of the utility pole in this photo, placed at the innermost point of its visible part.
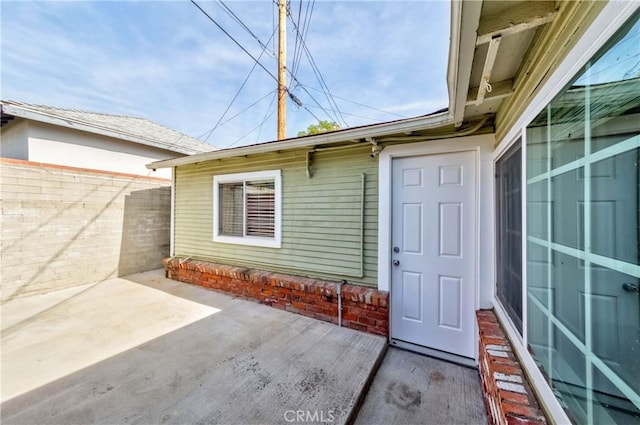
(282, 76)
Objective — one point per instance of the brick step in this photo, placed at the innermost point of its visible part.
(364, 309)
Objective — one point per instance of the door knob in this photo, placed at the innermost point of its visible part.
(630, 287)
(396, 262)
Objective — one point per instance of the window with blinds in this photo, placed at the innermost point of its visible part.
(260, 208)
(247, 210)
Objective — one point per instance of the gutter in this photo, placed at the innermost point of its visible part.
(352, 135)
(462, 132)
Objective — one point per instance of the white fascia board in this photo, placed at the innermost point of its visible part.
(358, 133)
(465, 17)
(78, 125)
(454, 45)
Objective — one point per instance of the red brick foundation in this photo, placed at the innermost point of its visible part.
(364, 309)
(507, 395)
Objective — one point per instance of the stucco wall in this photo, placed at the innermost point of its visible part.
(39, 142)
(58, 145)
(13, 140)
(64, 227)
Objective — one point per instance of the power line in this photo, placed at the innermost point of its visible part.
(230, 12)
(234, 40)
(295, 48)
(312, 114)
(241, 112)
(238, 92)
(248, 107)
(230, 103)
(357, 103)
(266, 115)
(327, 92)
(303, 32)
(261, 66)
(355, 115)
(297, 40)
(254, 128)
(311, 96)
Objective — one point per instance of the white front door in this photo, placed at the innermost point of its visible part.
(433, 246)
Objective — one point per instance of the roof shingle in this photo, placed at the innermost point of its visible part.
(133, 129)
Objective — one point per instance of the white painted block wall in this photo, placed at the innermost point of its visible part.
(62, 228)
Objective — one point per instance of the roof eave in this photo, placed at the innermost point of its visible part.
(50, 119)
(465, 17)
(375, 130)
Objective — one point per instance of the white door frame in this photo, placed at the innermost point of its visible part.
(469, 143)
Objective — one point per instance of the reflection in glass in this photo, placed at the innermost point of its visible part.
(583, 232)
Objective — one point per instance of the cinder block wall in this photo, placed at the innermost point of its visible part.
(63, 226)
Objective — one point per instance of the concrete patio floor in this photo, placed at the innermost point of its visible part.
(145, 349)
(411, 388)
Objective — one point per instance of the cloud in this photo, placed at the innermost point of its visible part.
(167, 62)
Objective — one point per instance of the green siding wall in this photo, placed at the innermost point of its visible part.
(321, 216)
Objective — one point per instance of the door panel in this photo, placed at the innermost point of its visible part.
(450, 230)
(433, 231)
(412, 296)
(412, 228)
(450, 297)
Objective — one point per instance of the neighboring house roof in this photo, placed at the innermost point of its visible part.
(132, 129)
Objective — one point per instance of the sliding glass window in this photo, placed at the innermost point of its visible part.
(583, 232)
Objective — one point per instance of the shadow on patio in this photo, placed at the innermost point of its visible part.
(146, 349)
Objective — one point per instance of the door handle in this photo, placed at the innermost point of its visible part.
(396, 262)
(630, 287)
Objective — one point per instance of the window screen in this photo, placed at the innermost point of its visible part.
(509, 233)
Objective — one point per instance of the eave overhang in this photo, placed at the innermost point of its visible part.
(404, 127)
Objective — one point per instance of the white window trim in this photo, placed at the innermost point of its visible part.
(543, 390)
(276, 241)
(172, 223)
(612, 17)
(498, 154)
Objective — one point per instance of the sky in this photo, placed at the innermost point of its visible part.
(167, 62)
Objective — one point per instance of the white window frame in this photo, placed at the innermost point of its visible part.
(498, 154)
(276, 241)
(612, 17)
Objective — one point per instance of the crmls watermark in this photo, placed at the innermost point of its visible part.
(304, 416)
